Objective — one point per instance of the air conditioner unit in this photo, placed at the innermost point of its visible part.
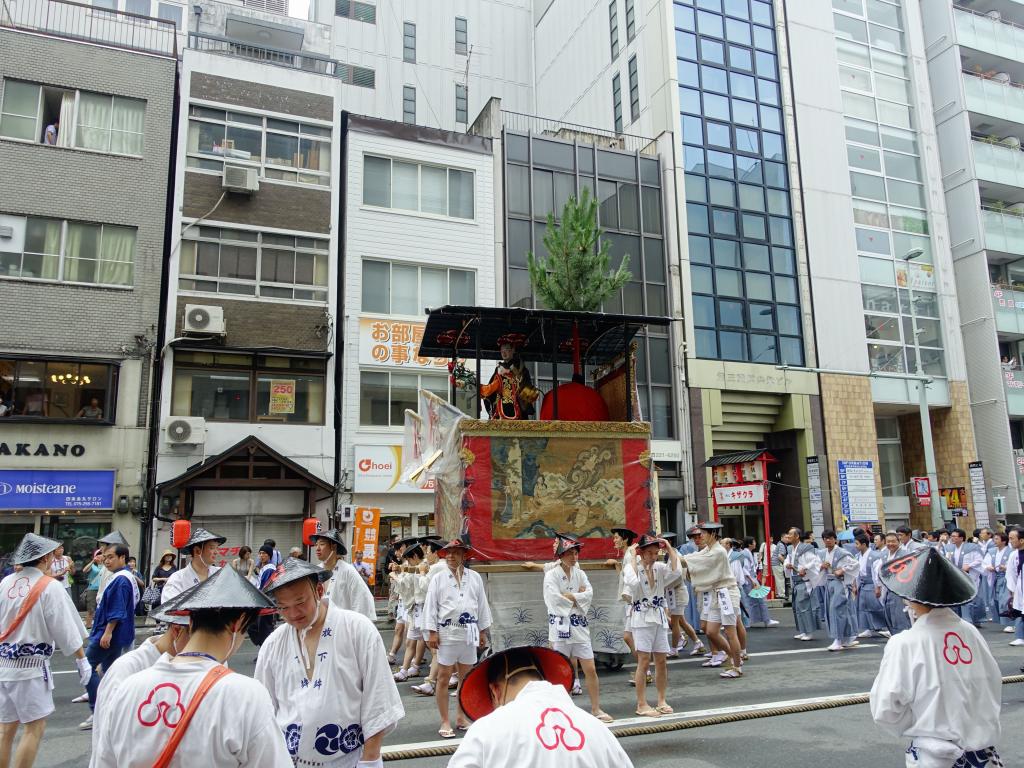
(185, 430)
(238, 178)
(347, 513)
(204, 319)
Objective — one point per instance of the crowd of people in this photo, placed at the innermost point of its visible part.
(325, 689)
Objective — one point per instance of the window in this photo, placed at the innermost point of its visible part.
(617, 102)
(231, 386)
(408, 104)
(461, 35)
(283, 150)
(170, 12)
(141, 7)
(409, 42)
(70, 118)
(630, 21)
(613, 27)
(260, 264)
(461, 106)
(407, 289)
(414, 187)
(39, 388)
(634, 91)
(358, 11)
(384, 396)
(67, 251)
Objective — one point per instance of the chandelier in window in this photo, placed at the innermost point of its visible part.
(70, 378)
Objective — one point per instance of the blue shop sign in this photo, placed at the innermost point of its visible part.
(44, 489)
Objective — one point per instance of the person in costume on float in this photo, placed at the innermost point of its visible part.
(345, 587)
(36, 616)
(327, 673)
(938, 684)
(191, 708)
(456, 618)
(432, 545)
(645, 579)
(568, 595)
(720, 597)
(510, 393)
(523, 716)
(175, 637)
(201, 547)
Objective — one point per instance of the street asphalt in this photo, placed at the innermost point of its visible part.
(780, 670)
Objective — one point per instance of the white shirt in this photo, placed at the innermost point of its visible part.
(53, 623)
(567, 620)
(233, 727)
(540, 728)
(1014, 583)
(457, 612)
(182, 579)
(126, 665)
(350, 697)
(810, 563)
(439, 567)
(346, 589)
(939, 685)
(649, 607)
(972, 559)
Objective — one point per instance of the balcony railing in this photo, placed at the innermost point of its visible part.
(74, 21)
(516, 122)
(1008, 307)
(1013, 384)
(1004, 231)
(998, 164)
(363, 77)
(995, 36)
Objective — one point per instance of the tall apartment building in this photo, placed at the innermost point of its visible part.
(86, 112)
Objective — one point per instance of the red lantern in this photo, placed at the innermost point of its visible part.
(310, 528)
(181, 530)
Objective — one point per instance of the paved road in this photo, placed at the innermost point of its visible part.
(780, 669)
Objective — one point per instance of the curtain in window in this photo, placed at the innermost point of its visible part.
(126, 126)
(117, 255)
(93, 122)
(67, 119)
(81, 250)
(42, 249)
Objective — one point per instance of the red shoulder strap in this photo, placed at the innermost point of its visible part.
(207, 683)
(30, 601)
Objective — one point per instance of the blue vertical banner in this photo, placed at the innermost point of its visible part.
(46, 489)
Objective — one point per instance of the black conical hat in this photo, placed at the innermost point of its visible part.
(226, 589)
(294, 569)
(163, 612)
(114, 537)
(32, 547)
(564, 543)
(433, 543)
(334, 535)
(928, 578)
(201, 536)
(627, 533)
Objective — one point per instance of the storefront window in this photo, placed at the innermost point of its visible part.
(249, 388)
(57, 389)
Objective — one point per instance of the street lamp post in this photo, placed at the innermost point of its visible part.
(922, 399)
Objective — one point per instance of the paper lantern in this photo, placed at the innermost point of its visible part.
(576, 402)
(181, 530)
(310, 528)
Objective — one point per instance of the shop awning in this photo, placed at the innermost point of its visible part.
(739, 457)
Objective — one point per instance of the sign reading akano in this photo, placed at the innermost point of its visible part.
(43, 489)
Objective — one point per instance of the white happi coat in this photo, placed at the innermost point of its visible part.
(439, 567)
(182, 579)
(1014, 582)
(649, 606)
(346, 589)
(457, 614)
(351, 696)
(126, 665)
(53, 623)
(567, 620)
(540, 728)
(233, 726)
(939, 686)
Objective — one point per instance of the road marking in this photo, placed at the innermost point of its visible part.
(761, 654)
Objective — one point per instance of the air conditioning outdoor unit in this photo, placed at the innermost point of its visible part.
(204, 319)
(347, 513)
(238, 178)
(185, 430)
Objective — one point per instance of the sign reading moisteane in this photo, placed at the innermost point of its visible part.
(44, 489)
(857, 491)
(977, 474)
(814, 495)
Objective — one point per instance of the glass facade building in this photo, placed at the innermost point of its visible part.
(541, 174)
(743, 267)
